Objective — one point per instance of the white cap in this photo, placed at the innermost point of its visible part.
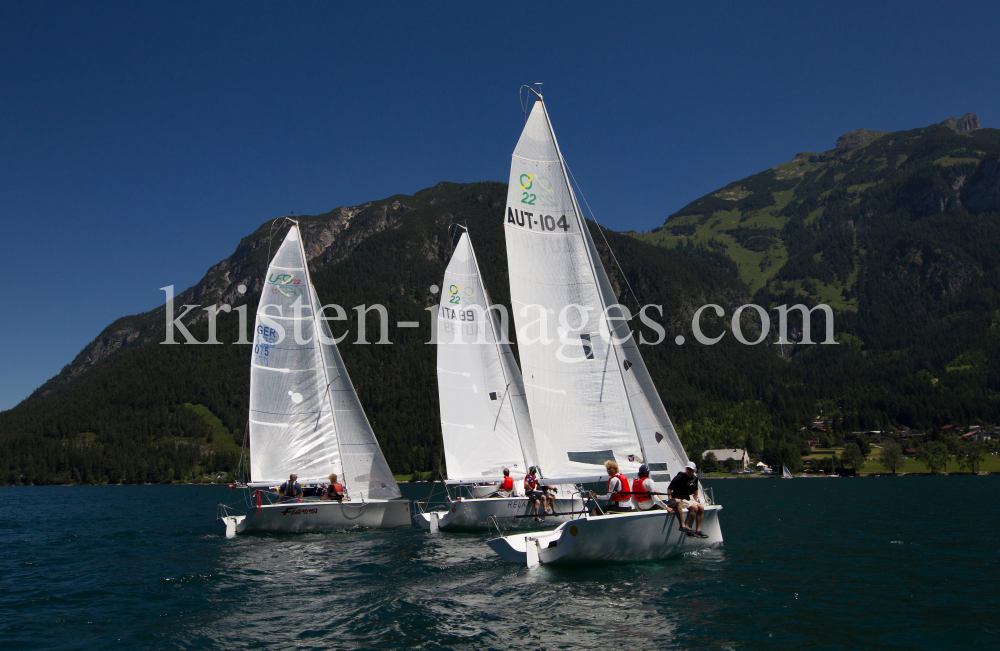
(691, 465)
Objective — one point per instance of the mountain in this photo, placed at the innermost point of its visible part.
(130, 409)
(897, 231)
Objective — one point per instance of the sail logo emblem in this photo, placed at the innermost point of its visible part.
(287, 285)
(546, 193)
(453, 294)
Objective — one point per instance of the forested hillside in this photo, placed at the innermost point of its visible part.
(147, 412)
(896, 231)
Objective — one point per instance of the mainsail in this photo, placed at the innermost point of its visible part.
(589, 393)
(305, 417)
(785, 473)
(484, 416)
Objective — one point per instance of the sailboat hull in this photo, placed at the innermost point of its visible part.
(301, 517)
(473, 515)
(617, 538)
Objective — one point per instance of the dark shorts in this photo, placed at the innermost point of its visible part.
(536, 495)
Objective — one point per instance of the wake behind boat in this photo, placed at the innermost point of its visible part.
(485, 424)
(305, 418)
(588, 390)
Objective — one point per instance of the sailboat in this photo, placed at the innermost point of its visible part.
(588, 391)
(485, 424)
(305, 416)
(785, 473)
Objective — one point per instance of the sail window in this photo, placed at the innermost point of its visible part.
(662, 467)
(659, 437)
(627, 365)
(596, 457)
(588, 347)
(493, 395)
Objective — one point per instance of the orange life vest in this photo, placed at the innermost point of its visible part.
(639, 492)
(622, 494)
(338, 488)
(508, 484)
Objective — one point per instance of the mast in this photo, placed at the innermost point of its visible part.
(585, 233)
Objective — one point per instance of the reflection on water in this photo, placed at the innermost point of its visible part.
(806, 563)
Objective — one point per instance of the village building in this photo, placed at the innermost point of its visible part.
(741, 457)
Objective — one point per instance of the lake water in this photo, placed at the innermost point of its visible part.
(808, 563)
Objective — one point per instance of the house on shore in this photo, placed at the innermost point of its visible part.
(740, 457)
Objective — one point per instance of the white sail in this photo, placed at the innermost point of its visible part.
(305, 417)
(484, 416)
(589, 395)
(291, 425)
(365, 470)
(785, 473)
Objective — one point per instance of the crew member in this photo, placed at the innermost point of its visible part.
(506, 486)
(644, 494)
(618, 499)
(537, 495)
(684, 488)
(335, 491)
(290, 491)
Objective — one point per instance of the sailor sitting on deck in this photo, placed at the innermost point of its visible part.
(618, 491)
(290, 491)
(537, 494)
(335, 491)
(506, 486)
(644, 495)
(684, 488)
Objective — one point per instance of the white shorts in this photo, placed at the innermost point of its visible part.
(686, 504)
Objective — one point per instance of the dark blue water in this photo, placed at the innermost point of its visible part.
(808, 563)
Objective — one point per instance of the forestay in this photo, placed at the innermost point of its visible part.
(590, 396)
(484, 416)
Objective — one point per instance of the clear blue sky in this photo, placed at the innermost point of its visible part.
(139, 141)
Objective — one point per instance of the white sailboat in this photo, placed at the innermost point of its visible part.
(484, 418)
(588, 391)
(785, 473)
(305, 417)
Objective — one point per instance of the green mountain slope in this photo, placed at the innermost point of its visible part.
(132, 410)
(805, 226)
(897, 231)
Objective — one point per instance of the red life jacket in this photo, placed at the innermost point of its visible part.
(338, 488)
(529, 482)
(639, 492)
(622, 494)
(508, 484)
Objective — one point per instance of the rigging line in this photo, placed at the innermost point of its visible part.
(270, 238)
(601, 230)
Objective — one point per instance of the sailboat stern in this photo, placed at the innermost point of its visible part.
(229, 525)
(397, 514)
